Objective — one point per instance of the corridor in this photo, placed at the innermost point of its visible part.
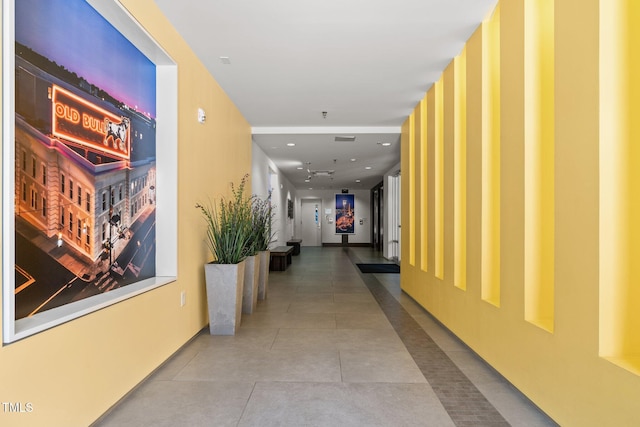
(330, 346)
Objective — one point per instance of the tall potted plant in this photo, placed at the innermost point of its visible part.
(262, 213)
(252, 267)
(229, 230)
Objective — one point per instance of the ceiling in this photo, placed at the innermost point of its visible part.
(366, 63)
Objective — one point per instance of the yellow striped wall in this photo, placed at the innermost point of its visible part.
(548, 240)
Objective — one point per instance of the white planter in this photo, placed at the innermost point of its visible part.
(263, 276)
(250, 292)
(224, 296)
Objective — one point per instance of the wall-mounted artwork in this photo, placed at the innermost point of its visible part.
(345, 204)
(290, 208)
(84, 196)
(85, 151)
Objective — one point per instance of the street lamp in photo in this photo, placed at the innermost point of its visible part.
(113, 221)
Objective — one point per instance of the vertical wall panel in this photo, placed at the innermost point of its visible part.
(431, 167)
(491, 159)
(405, 278)
(439, 179)
(412, 191)
(474, 162)
(460, 171)
(424, 189)
(419, 172)
(512, 166)
(448, 171)
(539, 164)
(620, 183)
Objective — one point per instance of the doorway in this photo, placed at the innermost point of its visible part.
(311, 222)
(393, 210)
(378, 217)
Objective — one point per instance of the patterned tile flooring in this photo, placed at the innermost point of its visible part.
(330, 346)
(464, 403)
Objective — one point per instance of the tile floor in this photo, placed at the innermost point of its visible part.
(328, 347)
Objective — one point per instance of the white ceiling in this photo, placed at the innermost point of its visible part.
(367, 63)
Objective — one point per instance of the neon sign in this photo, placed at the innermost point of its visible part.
(75, 119)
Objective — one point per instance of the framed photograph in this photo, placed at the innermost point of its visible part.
(345, 214)
(81, 162)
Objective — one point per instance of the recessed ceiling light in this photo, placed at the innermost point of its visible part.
(291, 144)
(299, 168)
(307, 180)
(386, 144)
(353, 160)
(357, 180)
(225, 60)
(367, 167)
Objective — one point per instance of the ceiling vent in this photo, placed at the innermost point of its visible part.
(322, 173)
(345, 138)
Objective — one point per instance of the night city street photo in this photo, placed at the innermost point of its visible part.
(85, 157)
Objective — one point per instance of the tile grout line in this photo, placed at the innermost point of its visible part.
(464, 403)
(244, 408)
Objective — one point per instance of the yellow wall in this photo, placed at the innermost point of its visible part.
(74, 372)
(569, 342)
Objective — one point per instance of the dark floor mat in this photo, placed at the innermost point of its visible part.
(379, 268)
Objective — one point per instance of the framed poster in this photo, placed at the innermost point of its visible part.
(80, 148)
(345, 215)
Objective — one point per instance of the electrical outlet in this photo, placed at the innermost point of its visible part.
(183, 298)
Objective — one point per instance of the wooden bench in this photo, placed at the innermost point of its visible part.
(280, 258)
(296, 245)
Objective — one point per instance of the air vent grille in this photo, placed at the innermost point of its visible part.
(345, 138)
(323, 173)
